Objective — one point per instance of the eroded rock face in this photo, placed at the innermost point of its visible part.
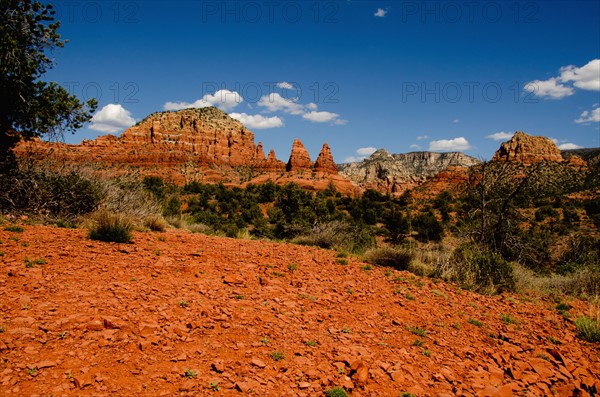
(528, 149)
(395, 173)
(299, 158)
(325, 161)
(204, 145)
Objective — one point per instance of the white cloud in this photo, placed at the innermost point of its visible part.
(353, 159)
(285, 85)
(366, 151)
(550, 88)
(459, 143)
(500, 136)
(569, 146)
(312, 106)
(589, 116)
(455, 121)
(223, 99)
(275, 102)
(321, 117)
(415, 146)
(340, 122)
(258, 121)
(422, 137)
(111, 118)
(586, 77)
(380, 13)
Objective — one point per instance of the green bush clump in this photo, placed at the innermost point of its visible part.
(336, 392)
(587, 329)
(338, 235)
(482, 270)
(111, 227)
(397, 258)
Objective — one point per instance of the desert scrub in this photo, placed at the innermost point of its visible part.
(417, 331)
(14, 229)
(336, 392)
(111, 227)
(393, 257)
(476, 323)
(277, 356)
(587, 329)
(156, 223)
(190, 373)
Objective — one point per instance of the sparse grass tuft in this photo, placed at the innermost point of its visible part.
(417, 331)
(156, 223)
(183, 303)
(311, 343)
(336, 392)
(476, 323)
(393, 257)
(277, 356)
(508, 319)
(111, 227)
(14, 229)
(190, 373)
(587, 329)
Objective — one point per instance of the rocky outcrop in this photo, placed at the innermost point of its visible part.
(205, 145)
(325, 161)
(527, 149)
(299, 158)
(395, 173)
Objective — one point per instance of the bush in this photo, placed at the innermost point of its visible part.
(587, 329)
(111, 227)
(399, 259)
(338, 235)
(481, 269)
(156, 223)
(336, 392)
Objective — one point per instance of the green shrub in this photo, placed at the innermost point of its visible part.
(338, 235)
(587, 329)
(336, 392)
(14, 229)
(482, 270)
(397, 258)
(111, 227)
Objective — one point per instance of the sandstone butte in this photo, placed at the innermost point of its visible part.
(98, 319)
(205, 145)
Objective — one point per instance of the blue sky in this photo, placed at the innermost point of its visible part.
(404, 75)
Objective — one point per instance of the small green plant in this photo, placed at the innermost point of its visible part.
(342, 255)
(264, 340)
(366, 268)
(563, 309)
(417, 331)
(336, 392)
(1, 253)
(439, 293)
(239, 297)
(1, 329)
(554, 340)
(455, 325)
(214, 386)
(190, 373)
(388, 273)
(426, 353)
(111, 227)
(406, 394)
(132, 279)
(409, 297)
(277, 356)
(292, 267)
(587, 329)
(311, 343)
(14, 229)
(30, 264)
(183, 303)
(475, 322)
(346, 330)
(508, 319)
(343, 262)
(278, 274)
(32, 371)
(418, 342)
(350, 291)
(62, 334)
(69, 375)
(544, 356)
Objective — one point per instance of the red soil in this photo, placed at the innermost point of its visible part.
(102, 319)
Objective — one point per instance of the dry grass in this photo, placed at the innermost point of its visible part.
(111, 227)
(156, 223)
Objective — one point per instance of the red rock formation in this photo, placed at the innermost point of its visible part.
(528, 149)
(299, 158)
(272, 164)
(325, 161)
(260, 154)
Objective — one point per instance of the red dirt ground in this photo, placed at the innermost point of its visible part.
(100, 319)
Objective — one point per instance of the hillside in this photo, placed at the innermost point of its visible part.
(92, 318)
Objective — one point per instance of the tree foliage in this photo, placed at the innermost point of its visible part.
(32, 107)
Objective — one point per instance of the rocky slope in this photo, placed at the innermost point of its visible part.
(97, 319)
(528, 149)
(205, 145)
(396, 173)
